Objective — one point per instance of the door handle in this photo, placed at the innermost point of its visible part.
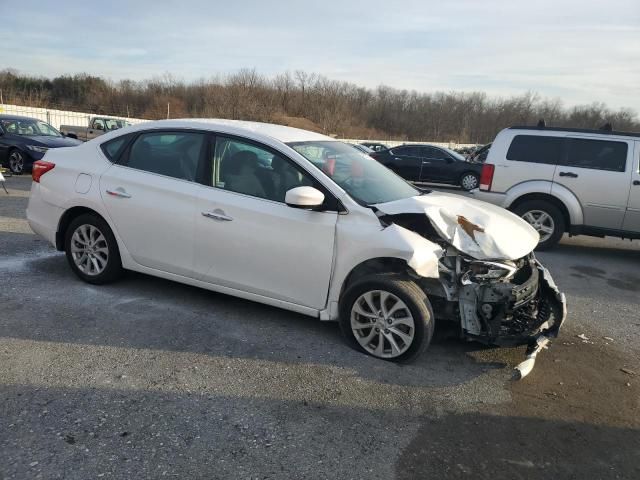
(636, 182)
(217, 214)
(424, 162)
(119, 192)
(568, 174)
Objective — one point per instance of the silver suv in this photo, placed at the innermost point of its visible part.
(584, 182)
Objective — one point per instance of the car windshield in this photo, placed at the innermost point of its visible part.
(28, 127)
(363, 178)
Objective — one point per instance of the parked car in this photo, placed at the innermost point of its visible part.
(479, 155)
(362, 148)
(24, 140)
(97, 126)
(322, 230)
(585, 182)
(375, 146)
(431, 164)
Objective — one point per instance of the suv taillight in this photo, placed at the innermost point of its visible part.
(486, 176)
(40, 167)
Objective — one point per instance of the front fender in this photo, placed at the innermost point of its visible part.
(357, 242)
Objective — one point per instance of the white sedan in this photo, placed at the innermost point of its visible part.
(298, 220)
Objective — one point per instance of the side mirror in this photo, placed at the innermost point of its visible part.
(307, 198)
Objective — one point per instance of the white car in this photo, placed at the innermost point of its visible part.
(297, 220)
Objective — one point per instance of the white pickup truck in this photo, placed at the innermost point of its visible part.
(97, 126)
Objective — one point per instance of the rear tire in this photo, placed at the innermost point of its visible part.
(92, 250)
(469, 181)
(546, 218)
(400, 317)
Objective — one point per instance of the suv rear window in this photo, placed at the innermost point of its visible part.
(596, 154)
(535, 149)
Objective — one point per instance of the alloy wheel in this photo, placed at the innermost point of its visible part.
(382, 324)
(542, 222)
(16, 162)
(89, 250)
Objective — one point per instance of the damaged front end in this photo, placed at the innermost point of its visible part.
(504, 303)
(489, 282)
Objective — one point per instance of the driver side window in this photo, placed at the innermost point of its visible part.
(245, 168)
(98, 124)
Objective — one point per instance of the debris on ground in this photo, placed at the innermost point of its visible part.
(627, 371)
(582, 336)
(608, 339)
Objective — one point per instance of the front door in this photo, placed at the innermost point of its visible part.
(598, 173)
(406, 162)
(632, 217)
(152, 198)
(248, 239)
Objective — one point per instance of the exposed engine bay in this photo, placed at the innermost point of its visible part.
(495, 301)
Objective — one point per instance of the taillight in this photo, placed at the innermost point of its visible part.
(486, 176)
(40, 167)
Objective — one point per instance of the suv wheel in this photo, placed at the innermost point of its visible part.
(546, 218)
(387, 316)
(469, 181)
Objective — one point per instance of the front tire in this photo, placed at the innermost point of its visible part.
(16, 162)
(546, 218)
(92, 250)
(387, 316)
(469, 181)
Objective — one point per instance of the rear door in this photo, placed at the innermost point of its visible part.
(632, 216)
(436, 165)
(598, 172)
(151, 198)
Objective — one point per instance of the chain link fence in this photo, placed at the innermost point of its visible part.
(55, 118)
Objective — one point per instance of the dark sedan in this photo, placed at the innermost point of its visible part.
(24, 140)
(431, 164)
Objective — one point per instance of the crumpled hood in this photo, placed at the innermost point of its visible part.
(479, 229)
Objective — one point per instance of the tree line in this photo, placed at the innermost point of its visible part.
(311, 101)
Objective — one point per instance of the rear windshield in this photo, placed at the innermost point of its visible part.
(536, 149)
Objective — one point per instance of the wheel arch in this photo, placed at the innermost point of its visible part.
(547, 198)
(375, 265)
(67, 217)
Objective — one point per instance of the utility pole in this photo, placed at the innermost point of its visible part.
(168, 111)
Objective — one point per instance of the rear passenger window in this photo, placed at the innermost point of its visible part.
(536, 149)
(596, 154)
(113, 147)
(174, 154)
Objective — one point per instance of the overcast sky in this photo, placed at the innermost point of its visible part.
(579, 51)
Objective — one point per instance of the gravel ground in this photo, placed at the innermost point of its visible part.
(147, 378)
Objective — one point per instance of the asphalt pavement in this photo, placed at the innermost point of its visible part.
(146, 378)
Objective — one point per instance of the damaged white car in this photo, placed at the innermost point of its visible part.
(298, 220)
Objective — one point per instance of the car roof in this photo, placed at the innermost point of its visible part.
(576, 130)
(17, 117)
(258, 129)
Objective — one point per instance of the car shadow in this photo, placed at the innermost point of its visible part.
(145, 312)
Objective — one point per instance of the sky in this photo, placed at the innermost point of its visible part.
(577, 51)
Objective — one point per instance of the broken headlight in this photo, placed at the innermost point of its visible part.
(479, 271)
